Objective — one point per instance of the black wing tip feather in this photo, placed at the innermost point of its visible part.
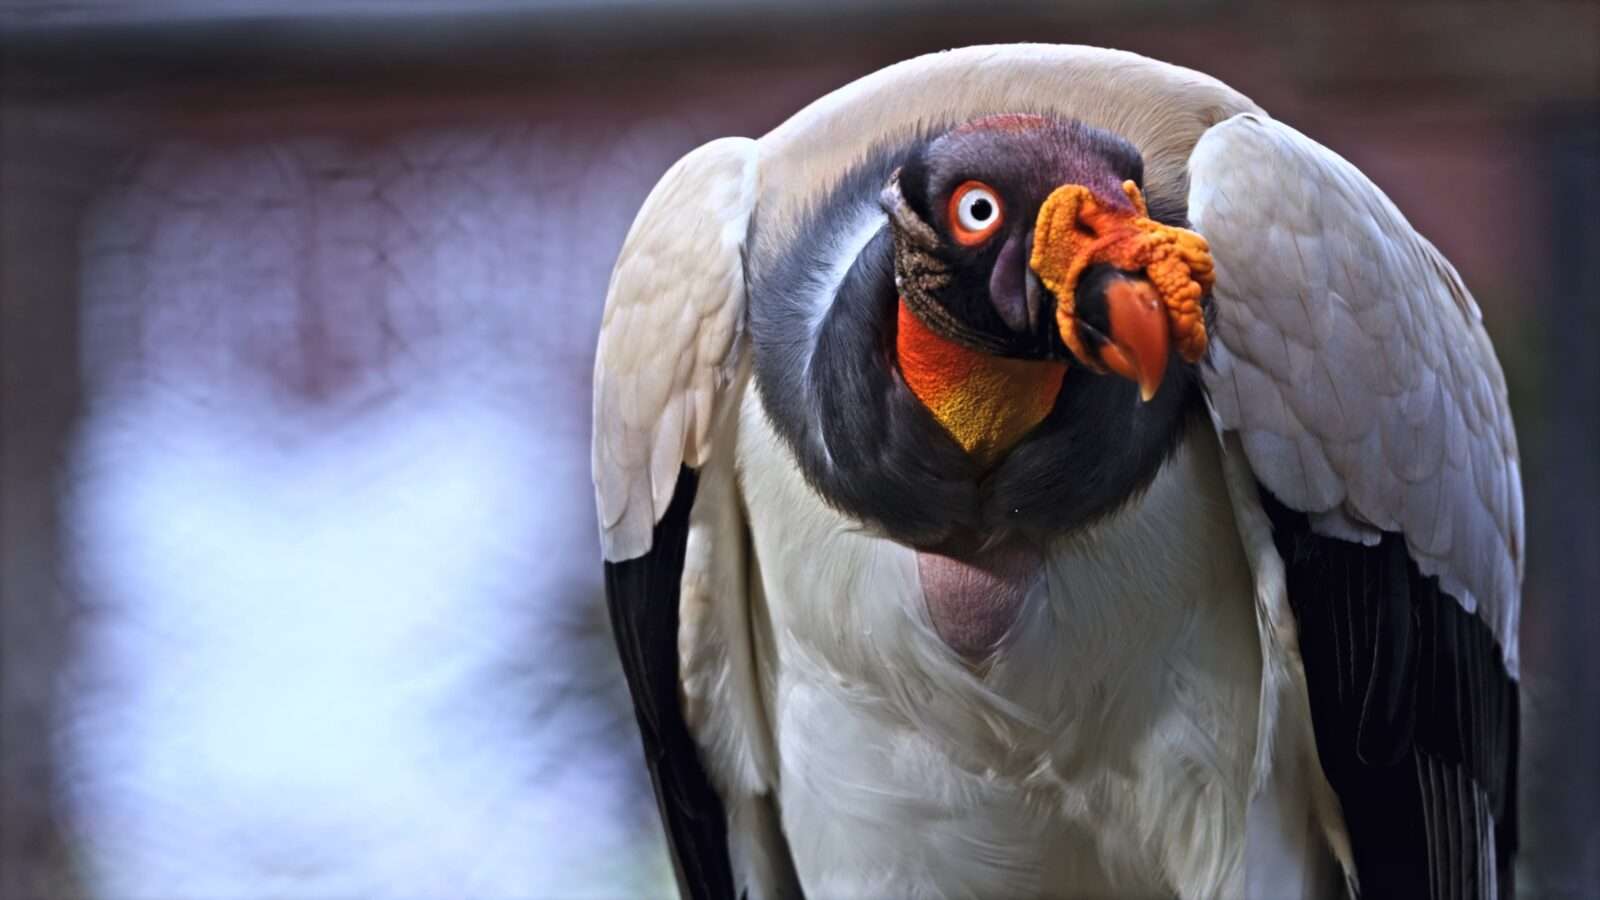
(1415, 714)
(642, 598)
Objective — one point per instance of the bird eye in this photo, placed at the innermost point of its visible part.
(975, 212)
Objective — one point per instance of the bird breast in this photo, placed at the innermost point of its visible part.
(1106, 737)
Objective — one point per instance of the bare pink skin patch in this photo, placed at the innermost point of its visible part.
(974, 600)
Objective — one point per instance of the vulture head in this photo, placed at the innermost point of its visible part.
(1027, 240)
(1013, 355)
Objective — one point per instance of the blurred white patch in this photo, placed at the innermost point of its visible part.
(331, 516)
(338, 659)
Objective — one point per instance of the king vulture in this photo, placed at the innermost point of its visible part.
(1036, 471)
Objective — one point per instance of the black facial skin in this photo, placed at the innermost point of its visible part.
(865, 443)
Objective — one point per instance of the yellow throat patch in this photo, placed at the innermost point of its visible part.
(987, 403)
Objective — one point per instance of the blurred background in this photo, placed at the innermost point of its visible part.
(299, 589)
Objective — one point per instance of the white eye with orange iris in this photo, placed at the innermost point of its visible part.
(975, 212)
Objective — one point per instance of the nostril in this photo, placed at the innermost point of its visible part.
(1034, 293)
(1007, 288)
(1034, 297)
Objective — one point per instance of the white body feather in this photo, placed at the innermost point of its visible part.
(1107, 749)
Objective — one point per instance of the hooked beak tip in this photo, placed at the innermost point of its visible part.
(1139, 341)
(1124, 362)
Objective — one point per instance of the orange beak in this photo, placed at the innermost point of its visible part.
(1139, 342)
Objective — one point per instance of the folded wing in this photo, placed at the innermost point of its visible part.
(668, 362)
(1352, 364)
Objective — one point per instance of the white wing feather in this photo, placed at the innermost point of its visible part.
(670, 338)
(668, 376)
(1354, 365)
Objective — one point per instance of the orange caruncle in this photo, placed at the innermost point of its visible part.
(1075, 230)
